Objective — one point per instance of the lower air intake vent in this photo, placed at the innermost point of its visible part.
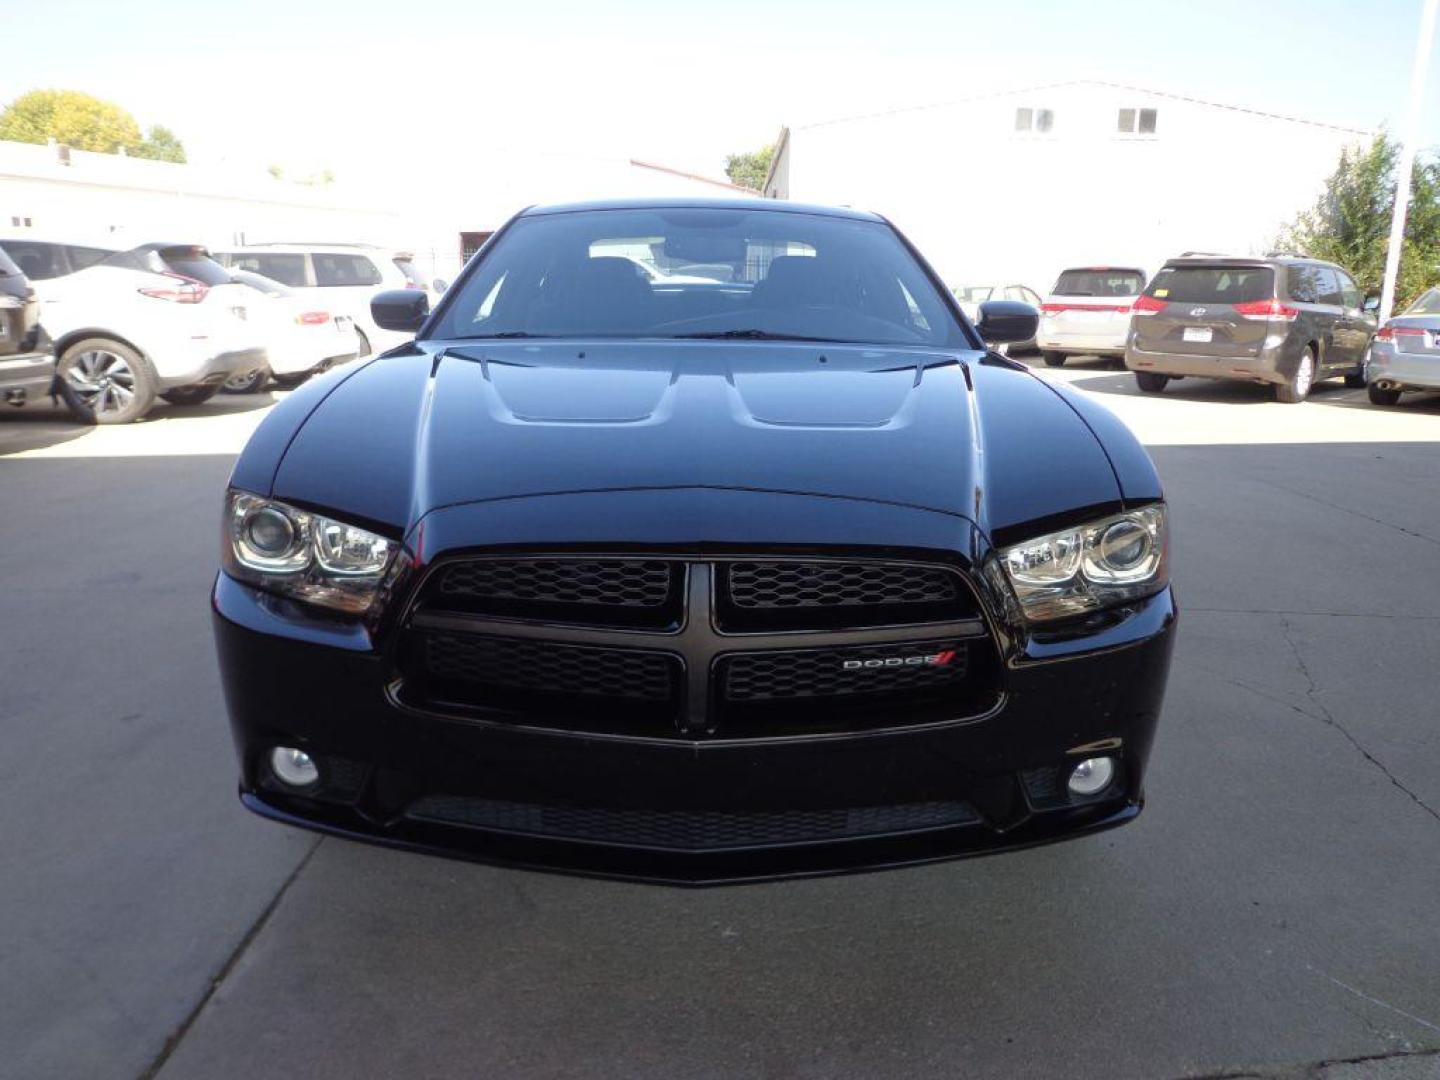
(695, 830)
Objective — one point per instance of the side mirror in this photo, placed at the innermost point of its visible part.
(439, 285)
(1007, 320)
(400, 309)
(1372, 303)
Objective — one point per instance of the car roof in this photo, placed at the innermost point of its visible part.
(103, 244)
(1277, 259)
(693, 203)
(301, 247)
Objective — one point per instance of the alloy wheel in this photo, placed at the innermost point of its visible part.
(103, 380)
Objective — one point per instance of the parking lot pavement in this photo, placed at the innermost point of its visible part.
(1273, 910)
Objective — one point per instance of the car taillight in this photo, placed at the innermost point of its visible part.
(414, 285)
(313, 318)
(1148, 305)
(1266, 309)
(187, 291)
(1390, 333)
(1053, 307)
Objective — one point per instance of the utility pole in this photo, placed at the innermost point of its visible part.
(1424, 46)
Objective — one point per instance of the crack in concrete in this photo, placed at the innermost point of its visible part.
(1374, 1000)
(1327, 717)
(1191, 610)
(178, 1036)
(1311, 1068)
(1355, 513)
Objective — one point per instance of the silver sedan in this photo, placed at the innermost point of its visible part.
(1405, 354)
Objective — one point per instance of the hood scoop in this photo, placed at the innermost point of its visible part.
(576, 393)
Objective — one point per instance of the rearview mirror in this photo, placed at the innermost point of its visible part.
(400, 309)
(1007, 320)
(1372, 303)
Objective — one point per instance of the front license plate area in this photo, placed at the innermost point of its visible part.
(1200, 334)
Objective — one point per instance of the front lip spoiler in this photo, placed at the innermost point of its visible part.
(735, 867)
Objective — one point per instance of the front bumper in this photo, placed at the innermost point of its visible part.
(671, 812)
(1401, 370)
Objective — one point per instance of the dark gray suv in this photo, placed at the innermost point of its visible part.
(1284, 320)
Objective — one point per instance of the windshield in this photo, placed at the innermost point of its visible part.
(1100, 281)
(1213, 284)
(701, 272)
(1428, 304)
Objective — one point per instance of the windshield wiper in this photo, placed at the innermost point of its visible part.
(751, 335)
(502, 334)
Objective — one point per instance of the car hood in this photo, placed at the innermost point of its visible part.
(438, 426)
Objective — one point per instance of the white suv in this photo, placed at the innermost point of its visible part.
(154, 320)
(341, 278)
(1088, 312)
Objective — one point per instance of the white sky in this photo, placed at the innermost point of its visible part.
(365, 87)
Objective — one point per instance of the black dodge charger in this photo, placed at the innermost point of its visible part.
(694, 542)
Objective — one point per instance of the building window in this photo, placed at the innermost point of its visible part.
(1041, 120)
(1136, 122)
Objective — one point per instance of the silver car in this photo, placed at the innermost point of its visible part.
(1405, 354)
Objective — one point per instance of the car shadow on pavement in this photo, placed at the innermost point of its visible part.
(36, 427)
(219, 405)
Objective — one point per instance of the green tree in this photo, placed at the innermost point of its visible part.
(750, 170)
(84, 122)
(69, 117)
(1350, 222)
(160, 144)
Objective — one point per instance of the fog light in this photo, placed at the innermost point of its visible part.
(1091, 776)
(292, 767)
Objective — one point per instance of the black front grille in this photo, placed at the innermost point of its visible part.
(691, 830)
(547, 667)
(619, 592)
(688, 648)
(923, 666)
(787, 595)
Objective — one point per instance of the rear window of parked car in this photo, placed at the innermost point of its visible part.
(1213, 284)
(637, 273)
(1100, 281)
(191, 262)
(286, 268)
(1428, 304)
(344, 270)
(7, 268)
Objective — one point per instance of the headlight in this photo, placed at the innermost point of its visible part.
(1094, 566)
(297, 553)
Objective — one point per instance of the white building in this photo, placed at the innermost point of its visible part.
(1013, 186)
(440, 212)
